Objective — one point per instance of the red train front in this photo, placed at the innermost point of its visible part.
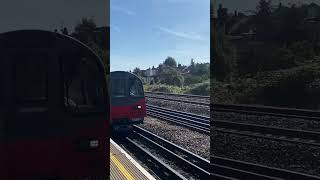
(53, 108)
(128, 104)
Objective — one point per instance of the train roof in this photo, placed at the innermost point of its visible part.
(28, 38)
(123, 73)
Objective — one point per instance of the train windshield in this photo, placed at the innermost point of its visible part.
(30, 76)
(118, 88)
(135, 88)
(83, 85)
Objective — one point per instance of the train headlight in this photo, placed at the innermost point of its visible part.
(94, 143)
(139, 107)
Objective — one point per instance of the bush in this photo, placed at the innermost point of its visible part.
(303, 50)
(296, 87)
(165, 88)
(189, 79)
(171, 76)
(200, 89)
(259, 59)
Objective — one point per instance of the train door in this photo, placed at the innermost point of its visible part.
(31, 126)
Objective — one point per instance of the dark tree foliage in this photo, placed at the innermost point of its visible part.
(85, 25)
(85, 31)
(137, 71)
(277, 65)
(171, 62)
(263, 20)
(171, 76)
(65, 31)
(290, 25)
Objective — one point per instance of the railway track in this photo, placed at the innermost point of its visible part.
(223, 168)
(169, 161)
(233, 108)
(193, 121)
(202, 124)
(182, 98)
(166, 159)
(178, 95)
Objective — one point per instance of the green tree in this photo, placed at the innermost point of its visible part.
(171, 76)
(263, 20)
(290, 21)
(64, 31)
(192, 66)
(103, 54)
(224, 57)
(85, 25)
(171, 62)
(84, 31)
(137, 71)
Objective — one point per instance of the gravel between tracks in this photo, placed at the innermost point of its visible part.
(273, 121)
(203, 100)
(193, 141)
(284, 155)
(185, 107)
(294, 157)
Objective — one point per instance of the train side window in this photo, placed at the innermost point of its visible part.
(83, 86)
(136, 88)
(30, 73)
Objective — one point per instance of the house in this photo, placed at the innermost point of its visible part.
(313, 10)
(149, 75)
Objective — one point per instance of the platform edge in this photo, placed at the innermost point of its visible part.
(145, 172)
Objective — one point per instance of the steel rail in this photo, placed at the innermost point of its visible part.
(202, 124)
(237, 108)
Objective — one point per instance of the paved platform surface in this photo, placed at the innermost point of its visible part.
(123, 166)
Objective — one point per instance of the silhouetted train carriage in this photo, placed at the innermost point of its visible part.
(128, 104)
(54, 107)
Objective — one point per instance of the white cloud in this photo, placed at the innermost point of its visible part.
(192, 36)
(123, 10)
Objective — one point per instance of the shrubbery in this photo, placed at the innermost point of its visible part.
(296, 87)
(179, 79)
(200, 89)
(165, 88)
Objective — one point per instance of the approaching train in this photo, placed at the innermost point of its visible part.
(54, 103)
(128, 105)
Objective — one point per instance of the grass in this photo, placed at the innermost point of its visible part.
(197, 89)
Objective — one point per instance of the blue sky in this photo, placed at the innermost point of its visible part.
(145, 32)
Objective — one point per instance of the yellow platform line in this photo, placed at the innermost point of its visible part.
(121, 168)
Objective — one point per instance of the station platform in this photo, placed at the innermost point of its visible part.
(123, 166)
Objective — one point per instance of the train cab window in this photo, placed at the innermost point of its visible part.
(118, 88)
(135, 88)
(30, 76)
(83, 86)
